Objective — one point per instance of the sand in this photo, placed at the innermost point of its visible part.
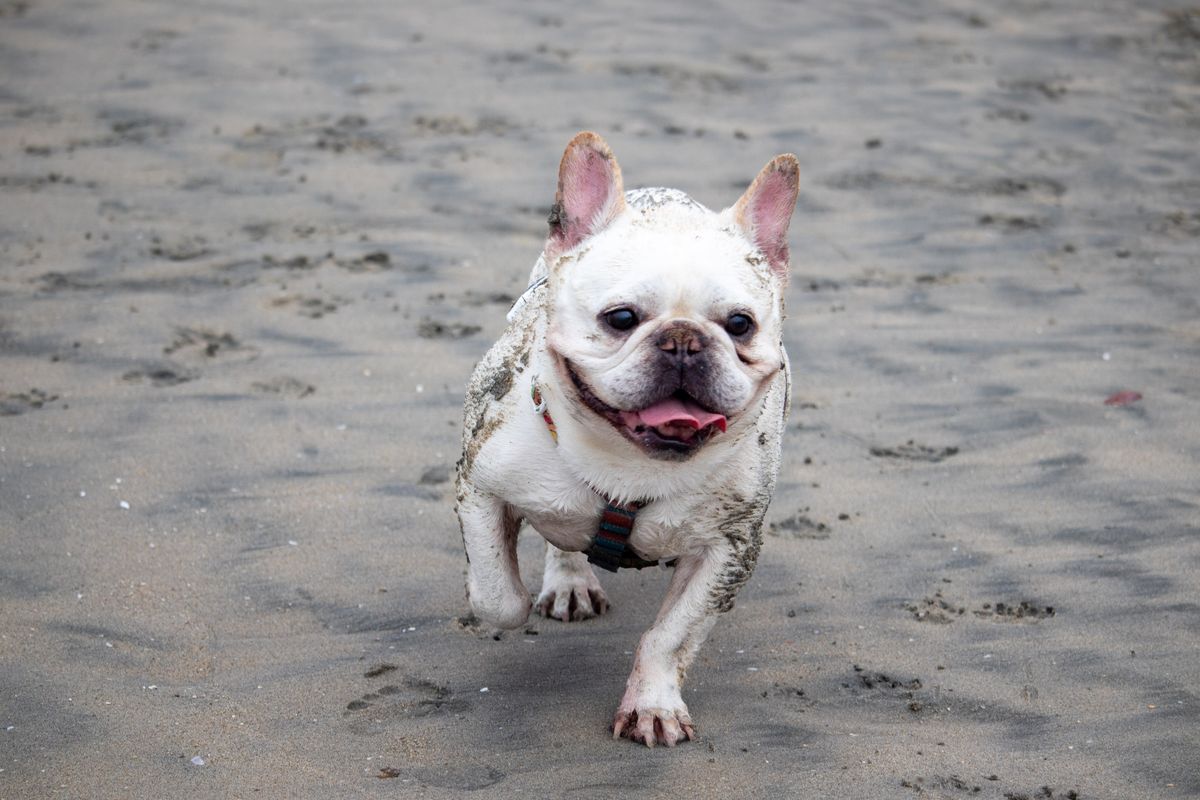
(251, 251)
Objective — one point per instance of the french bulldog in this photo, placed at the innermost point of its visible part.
(632, 412)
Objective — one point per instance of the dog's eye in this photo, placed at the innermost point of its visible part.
(621, 319)
(739, 325)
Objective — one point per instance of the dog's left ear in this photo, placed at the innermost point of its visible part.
(765, 210)
(590, 192)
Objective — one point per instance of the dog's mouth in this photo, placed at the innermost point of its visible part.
(674, 426)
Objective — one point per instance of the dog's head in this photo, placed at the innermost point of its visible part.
(665, 316)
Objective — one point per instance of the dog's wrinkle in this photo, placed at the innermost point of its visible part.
(587, 395)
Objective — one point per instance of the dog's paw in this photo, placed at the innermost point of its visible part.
(652, 710)
(571, 596)
(652, 726)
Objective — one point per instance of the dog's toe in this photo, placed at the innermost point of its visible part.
(573, 606)
(620, 722)
(599, 601)
(669, 731)
(645, 729)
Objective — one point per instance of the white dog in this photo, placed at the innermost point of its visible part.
(632, 412)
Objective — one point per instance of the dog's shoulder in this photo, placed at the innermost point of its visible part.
(494, 381)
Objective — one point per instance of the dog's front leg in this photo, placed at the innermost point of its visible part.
(703, 585)
(494, 587)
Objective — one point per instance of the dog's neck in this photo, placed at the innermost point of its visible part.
(609, 548)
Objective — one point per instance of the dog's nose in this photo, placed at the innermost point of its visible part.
(681, 340)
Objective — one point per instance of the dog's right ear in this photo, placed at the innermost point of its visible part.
(590, 193)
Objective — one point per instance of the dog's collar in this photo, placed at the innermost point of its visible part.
(609, 548)
(539, 405)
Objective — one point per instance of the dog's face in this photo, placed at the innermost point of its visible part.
(666, 317)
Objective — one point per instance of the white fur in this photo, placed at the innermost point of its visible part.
(676, 261)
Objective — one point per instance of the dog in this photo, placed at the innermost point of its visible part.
(632, 412)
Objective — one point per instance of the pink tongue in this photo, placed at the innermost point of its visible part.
(674, 411)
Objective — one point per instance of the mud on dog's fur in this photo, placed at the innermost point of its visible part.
(652, 334)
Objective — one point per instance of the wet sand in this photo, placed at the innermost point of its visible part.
(250, 253)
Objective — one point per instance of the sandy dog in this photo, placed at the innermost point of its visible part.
(632, 413)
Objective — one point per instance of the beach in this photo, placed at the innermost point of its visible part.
(250, 253)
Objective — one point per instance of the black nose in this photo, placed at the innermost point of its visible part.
(681, 341)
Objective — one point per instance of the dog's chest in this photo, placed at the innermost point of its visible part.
(658, 533)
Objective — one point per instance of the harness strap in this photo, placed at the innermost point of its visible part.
(607, 550)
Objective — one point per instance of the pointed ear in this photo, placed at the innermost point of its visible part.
(765, 210)
(590, 192)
